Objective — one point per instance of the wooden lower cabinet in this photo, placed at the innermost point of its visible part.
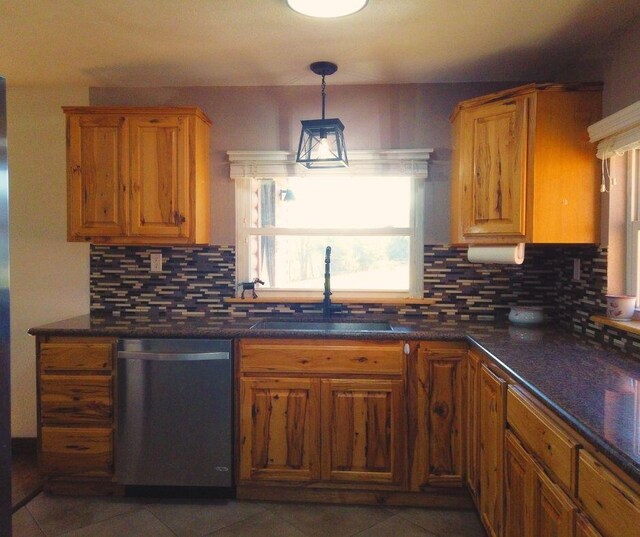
(362, 431)
(493, 392)
(517, 487)
(76, 403)
(435, 385)
(472, 419)
(584, 528)
(552, 512)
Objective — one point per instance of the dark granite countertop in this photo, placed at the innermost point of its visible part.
(595, 390)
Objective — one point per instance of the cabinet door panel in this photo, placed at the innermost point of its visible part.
(435, 415)
(494, 146)
(492, 425)
(97, 160)
(553, 513)
(362, 431)
(518, 470)
(160, 176)
(473, 419)
(279, 433)
(584, 528)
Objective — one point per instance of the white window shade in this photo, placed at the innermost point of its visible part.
(617, 133)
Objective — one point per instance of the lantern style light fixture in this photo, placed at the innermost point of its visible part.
(327, 8)
(322, 140)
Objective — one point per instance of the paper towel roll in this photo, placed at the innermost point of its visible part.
(512, 254)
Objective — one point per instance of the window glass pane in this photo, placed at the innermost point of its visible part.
(339, 202)
(357, 263)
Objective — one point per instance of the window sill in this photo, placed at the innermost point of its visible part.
(334, 299)
(628, 326)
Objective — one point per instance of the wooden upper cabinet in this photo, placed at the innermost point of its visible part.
(523, 167)
(138, 175)
(97, 161)
(495, 144)
(159, 176)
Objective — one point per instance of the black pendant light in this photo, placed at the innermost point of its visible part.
(322, 140)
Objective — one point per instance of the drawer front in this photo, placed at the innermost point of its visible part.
(322, 356)
(76, 452)
(544, 439)
(76, 400)
(612, 505)
(87, 356)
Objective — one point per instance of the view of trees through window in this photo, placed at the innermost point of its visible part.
(368, 223)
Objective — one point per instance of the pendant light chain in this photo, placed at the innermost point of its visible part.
(324, 94)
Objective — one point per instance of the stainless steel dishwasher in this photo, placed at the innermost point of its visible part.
(174, 414)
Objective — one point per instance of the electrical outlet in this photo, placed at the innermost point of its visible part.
(576, 269)
(156, 262)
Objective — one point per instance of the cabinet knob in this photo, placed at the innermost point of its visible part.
(407, 349)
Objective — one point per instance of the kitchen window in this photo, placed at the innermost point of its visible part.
(633, 224)
(371, 218)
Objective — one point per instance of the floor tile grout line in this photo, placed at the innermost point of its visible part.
(161, 522)
(429, 533)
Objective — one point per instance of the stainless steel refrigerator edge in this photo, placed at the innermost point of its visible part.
(5, 392)
(174, 413)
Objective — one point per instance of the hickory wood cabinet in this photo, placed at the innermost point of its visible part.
(523, 168)
(530, 474)
(137, 175)
(76, 413)
(350, 415)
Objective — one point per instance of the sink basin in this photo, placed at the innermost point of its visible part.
(328, 326)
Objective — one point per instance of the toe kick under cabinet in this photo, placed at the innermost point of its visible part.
(331, 420)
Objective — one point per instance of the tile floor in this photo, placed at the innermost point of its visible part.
(53, 516)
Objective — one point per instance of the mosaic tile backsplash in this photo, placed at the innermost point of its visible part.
(196, 281)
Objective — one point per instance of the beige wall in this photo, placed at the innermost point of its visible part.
(622, 76)
(49, 276)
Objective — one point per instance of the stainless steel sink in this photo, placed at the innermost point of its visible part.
(328, 326)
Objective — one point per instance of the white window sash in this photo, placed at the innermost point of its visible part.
(633, 224)
(393, 163)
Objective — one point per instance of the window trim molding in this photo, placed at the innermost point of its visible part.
(274, 164)
(617, 133)
(632, 246)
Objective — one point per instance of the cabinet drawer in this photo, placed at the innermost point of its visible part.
(89, 356)
(76, 400)
(612, 505)
(77, 452)
(543, 438)
(321, 356)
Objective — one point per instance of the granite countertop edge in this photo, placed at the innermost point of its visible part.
(489, 337)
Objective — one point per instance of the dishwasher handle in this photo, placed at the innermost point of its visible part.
(172, 356)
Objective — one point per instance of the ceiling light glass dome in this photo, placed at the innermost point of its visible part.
(327, 8)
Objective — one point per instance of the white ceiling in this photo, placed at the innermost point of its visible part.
(263, 42)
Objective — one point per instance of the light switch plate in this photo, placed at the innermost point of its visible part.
(156, 262)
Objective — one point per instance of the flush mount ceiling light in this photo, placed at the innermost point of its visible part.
(327, 8)
(322, 140)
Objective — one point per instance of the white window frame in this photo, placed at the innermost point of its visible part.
(247, 165)
(633, 224)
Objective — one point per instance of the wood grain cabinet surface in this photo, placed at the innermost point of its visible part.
(329, 411)
(523, 169)
(76, 411)
(493, 391)
(138, 175)
(435, 394)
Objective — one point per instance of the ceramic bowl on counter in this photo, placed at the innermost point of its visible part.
(526, 315)
(620, 307)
